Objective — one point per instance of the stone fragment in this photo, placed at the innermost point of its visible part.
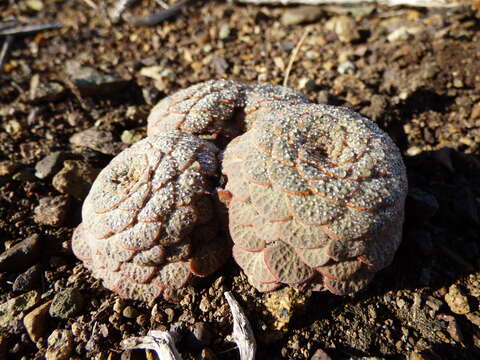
(453, 328)
(28, 280)
(49, 165)
(474, 318)
(36, 322)
(346, 67)
(301, 14)
(220, 64)
(91, 82)
(52, 210)
(36, 5)
(98, 140)
(130, 312)
(66, 303)
(401, 34)
(457, 301)
(202, 334)
(282, 304)
(8, 167)
(345, 27)
(11, 309)
(224, 31)
(170, 314)
(60, 345)
(207, 354)
(320, 355)
(418, 356)
(75, 178)
(21, 255)
(46, 92)
(130, 137)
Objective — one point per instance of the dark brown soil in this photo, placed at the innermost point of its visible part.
(416, 72)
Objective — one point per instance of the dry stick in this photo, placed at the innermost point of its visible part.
(413, 3)
(3, 53)
(293, 56)
(10, 24)
(242, 331)
(156, 18)
(30, 29)
(161, 342)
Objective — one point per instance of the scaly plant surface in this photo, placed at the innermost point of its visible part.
(317, 198)
(148, 222)
(315, 195)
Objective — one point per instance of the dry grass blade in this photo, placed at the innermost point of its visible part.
(242, 331)
(294, 56)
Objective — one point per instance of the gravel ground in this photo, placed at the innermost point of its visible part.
(73, 97)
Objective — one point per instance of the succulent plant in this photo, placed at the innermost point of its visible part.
(317, 198)
(218, 109)
(315, 195)
(148, 221)
(205, 109)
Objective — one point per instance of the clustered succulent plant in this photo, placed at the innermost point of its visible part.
(315, 195)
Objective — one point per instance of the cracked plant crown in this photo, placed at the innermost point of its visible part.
(314, 195)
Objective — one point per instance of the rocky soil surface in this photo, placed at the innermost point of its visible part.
(74, 96)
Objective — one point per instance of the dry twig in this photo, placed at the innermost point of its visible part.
(242, 331)
(9, 24)
(156, 18)
(31, 29)
(161, 342)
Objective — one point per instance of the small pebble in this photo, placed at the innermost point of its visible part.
(52, 211)
(457, 301)
(170, 314)
(118, 306)
(28, 280)
(91, 82)
(21, 255)
(401, 33)
(75, 178)
(346, 67)
(98, 140)
(224, 31)
(202, 334)
(36, 322)
(130, 312)
(8, 167)
(60, 345)
(66, 303)
(301, 14)
(345, 27)
(49, 165)
(320, 355)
